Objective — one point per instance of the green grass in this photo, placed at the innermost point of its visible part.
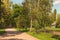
(2, 31)
(54, 29)
(22, 29)
(42, 36)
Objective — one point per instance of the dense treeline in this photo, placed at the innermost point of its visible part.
(31, 14)
(4, 14)
(2, 11)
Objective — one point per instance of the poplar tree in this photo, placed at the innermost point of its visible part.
(39, 10)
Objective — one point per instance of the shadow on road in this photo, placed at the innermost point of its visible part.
(11, 33)
(12, 39)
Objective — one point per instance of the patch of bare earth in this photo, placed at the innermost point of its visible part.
(56, 33)
(13, 34)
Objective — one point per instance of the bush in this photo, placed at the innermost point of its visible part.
(2, 31)
(58, 25)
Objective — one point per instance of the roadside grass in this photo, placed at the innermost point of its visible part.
(23, 29)
(42, 36)
(53, 29)
(2, 31)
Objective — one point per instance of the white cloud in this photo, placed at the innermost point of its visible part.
(56, 2)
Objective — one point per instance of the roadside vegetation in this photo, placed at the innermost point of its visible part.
(42, 35)
(2, 31)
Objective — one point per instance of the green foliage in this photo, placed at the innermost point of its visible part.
(2, 31)
(19, 16)
(58, 21)
(58, 25)
(38, 10)
(3, 14)
(17, 10)
(2, 10)
(35, 23)
(53, 29)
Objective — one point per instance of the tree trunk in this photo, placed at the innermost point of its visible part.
(31, 25)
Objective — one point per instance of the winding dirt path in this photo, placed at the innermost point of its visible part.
(13, 34)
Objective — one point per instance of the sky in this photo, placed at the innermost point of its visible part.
(56, 4)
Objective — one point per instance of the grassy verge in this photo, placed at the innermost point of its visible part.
(53, 29)
(42, 35)
(2, 31)
(23, 29)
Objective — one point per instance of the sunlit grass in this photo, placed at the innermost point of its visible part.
(42, 36)
(54, 29)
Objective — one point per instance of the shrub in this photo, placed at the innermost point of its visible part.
(58, 25)
(2, 31)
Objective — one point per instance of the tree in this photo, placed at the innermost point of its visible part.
(7, 15)
(17, 14)
(5, 12)
(2, 12)
(55, 12)
(39, 10)
(58, 21)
